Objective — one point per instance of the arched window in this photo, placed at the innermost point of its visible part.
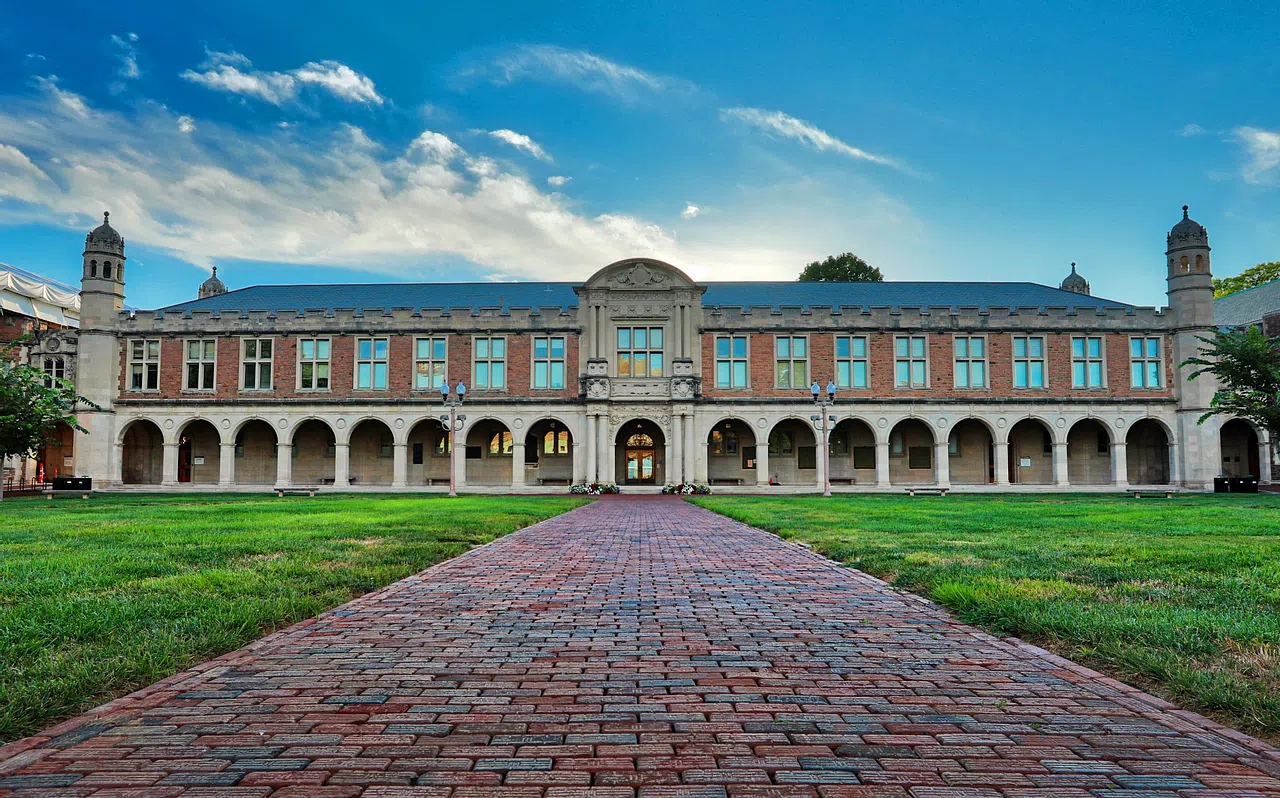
(640, 441)
(106, 269)
(555, 442)
(500, 443)
(1185, 264)
(93, 268)
(1199, 263)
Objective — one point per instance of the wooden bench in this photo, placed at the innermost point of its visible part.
(927, 491)
(297, 490)
(1166, 492)
(553, 481)
(50, 494)
(843, 481)
(725, 481)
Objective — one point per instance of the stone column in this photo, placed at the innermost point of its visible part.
(690, 449)
(1175, 465)
(697, 450)
(819, 456)
(169, 466)
(578, 469)
(942, 464)
(517, 460)
(604, 458)
(1060, 473)
(341, 465)
(762, 462)
(227, 465)
(592, 471)
(675, 451)
(1002, 462)
(1264, 462)
(399, 465)
(1120, 464)
(882, 464)
(284, 465)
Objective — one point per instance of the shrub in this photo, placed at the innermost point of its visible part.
(593, 488)
(687, 489)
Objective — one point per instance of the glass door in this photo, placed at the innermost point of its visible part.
(640, 466)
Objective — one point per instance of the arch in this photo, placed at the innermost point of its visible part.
(314, 452)
(731, 452)
(640, 453)
(372, 452)
(490, 450)
(256, 452)
(853, 451)
(142, 453)
(93, 268)
(428, 452)
(106, 270)
(1147, 448)
(548, 452)
(971, 456)
(639, 273)
(1238, 449)
(234, 432)
(56, 457)
(911, 452)
(291, 433)
(793, 452)
(199, 452)
(1031, 442)
(1089, 453)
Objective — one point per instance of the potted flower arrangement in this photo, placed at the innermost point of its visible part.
(593, 488)
(687, 489)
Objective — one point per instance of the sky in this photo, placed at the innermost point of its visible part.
(308, 142)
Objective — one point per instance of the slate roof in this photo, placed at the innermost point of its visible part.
(377, 297)
(1248, 306)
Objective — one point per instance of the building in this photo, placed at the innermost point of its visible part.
(641, 376)
(1252, 306)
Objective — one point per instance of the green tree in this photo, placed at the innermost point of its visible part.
(1247, 365)
(845, 268)
(30, 408)
(1249, 278)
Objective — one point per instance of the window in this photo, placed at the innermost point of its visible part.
(429, 363)
(731, 361)
(144, 365)
(548, 362)
(418, 453)
(500, 443)
(724, 443)
(971, 361)
(910, 365)
(555, 443)
(851, 362)
(255, 359)
(791, 361)
(371, 364)
(491, 364)
(919, 457)
(444, 445)
(55, 368)
(840, 443)
(640, 441)
(1028, 361)
(1086, 362)
(313, 364)
(1144, 362)
(1104, 442)
(781, 442)
(201, 362)
(639, 351)
(864, 457)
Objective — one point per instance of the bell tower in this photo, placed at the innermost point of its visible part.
(98, 351)
(102, 279)
(1191, 305)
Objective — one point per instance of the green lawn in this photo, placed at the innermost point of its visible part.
(102, 597)
(1180, 596)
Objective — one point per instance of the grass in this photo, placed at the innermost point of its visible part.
(1178, 596)
(99, 598)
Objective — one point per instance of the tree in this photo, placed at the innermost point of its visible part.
(1247, 365)
(1249, 278)
(30, 408)
(846, 268)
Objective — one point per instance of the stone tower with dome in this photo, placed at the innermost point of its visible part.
(211, 287)
(98, 355)
(1075, 283)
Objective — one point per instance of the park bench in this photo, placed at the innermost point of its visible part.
(1166, 492)
(297, 490)
(725, 481)
(51, 493)
(927, 491)
(553, 481)
(843, 481)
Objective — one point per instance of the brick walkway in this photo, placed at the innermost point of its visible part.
(638, 647)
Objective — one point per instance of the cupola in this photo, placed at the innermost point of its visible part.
(1075, 283)
(212, 287)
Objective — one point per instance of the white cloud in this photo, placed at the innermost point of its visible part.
(186, 124)
(776, 123)
(558, 180)
(128, 55)
(233, 73)
(66, 102)
(521, 142)
(690, 211)
(1263, 150)
(586, 71)
(1190, 130)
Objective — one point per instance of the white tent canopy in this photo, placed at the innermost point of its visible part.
(28, 294)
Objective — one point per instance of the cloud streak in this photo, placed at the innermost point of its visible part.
(521, 142)
(1262, 150)
(233, 73)
(580, 69)
(780, 125)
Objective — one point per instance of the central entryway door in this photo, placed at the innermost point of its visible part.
(639, 466)
(640, 453)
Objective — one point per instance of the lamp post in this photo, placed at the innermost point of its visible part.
(453, 402)
(823, 422)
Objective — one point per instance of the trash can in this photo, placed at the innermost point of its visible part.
(1221, 485)
(1247, 484)
(72, 483)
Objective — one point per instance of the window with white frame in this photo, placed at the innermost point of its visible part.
(313, 364)
(971, 361)
(202, 357)
(490, 364)
(429, 360)
(1028, 361)
(371, 364)
(256, 356)
(791, 361)
(1144, 362)
(55, 368)
(639, 351)
(144, 365)
(910, 362)
(731, 361)
(548, 362)
(1086, 362)
(852, 370)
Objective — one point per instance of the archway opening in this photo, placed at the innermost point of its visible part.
(971, 453)
(1147, 447)
(548, 453)
(57, 454)
(793, 453)
(142, 457)
(429, 450)
(853, 453)
(1089, 453)
(911, 453)
(1030, 453)
(256, 454)
(314, 453)
(640, 454)
(1239, 444)
(199, 453)
(731, 453)
(372, 453)
(490, 449)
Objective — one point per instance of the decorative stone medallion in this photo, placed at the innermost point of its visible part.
(168, 423)
(1062, 422)
(340, 423)
(882, 423)
(226, 423)
(399, 423)
(518, 423)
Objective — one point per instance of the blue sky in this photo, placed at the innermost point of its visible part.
(309, 142)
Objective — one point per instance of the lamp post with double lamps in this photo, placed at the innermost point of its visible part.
(453, 420)
(823, 423)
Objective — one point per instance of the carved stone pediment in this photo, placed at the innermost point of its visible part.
(641, 389)
(639, 274)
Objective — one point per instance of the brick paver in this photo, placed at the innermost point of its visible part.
(639, 648)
